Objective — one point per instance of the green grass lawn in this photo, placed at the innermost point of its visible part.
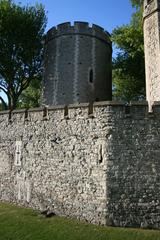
(25, 224)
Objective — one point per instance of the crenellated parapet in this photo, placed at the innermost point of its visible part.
(134, 110)
(93, 161)
(80, 28)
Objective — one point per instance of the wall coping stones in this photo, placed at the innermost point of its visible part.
(57, 107)
(78, 105)
(4, 112)
(156, 103)
(35, 109)
(138, 103)
(18, 111)
(108, 103)
(135, 105)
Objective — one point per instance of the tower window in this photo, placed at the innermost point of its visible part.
(91, 76)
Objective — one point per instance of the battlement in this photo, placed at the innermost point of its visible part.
(92, 157)
(80, 28)
(134, 110)
(96, 161)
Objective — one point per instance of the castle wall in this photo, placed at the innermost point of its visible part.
(102, 165)
(133, 168)
(54, 161)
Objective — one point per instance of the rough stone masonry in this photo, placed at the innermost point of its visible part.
(99, 162)
(151, 27)
(100, 165)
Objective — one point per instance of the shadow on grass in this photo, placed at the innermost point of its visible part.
(18, 223)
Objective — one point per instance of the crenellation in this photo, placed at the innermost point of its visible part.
(81, 28)
(139, 103)
(109, 103)
(18, 111)
(79, 49)
(134, 110)
(39, 109)
(97, 28)
(107, 33)
(78, 105)
(80, 155)
(156, 107)
(17, 117)
(81, 25)
(63, 26)
(138, 109)
(50, 34)
(26, 115)
(80, 161)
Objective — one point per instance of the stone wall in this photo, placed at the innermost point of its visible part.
(54, 161)
(100, 163)
(77, 64)
(151, 28)
(133, 168)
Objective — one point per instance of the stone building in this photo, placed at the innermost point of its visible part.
(77, 64)
(151, 16)
(95, 161)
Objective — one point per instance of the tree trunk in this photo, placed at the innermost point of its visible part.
(14, 102)
(4, 104)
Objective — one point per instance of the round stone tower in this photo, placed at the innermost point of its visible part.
(77, 64)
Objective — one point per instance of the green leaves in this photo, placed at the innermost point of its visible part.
(128, 67)
(129, 39)
(136, 3)
(21, 32)
(31, 96)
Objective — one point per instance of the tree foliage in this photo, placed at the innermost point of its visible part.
(128, 67)
(21, 32)
(31, 96)
(137, 3)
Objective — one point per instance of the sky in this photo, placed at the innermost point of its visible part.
(108, 14)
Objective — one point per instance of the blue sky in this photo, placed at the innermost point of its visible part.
(108, 14)
(105, 13)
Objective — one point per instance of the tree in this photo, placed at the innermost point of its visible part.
(21, 34)
(128, 67)
(137, 3)
(31, 96)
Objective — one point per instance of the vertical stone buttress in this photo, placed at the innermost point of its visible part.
(93, 64)
(75, 81)
(151, 26)
(56, 74)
